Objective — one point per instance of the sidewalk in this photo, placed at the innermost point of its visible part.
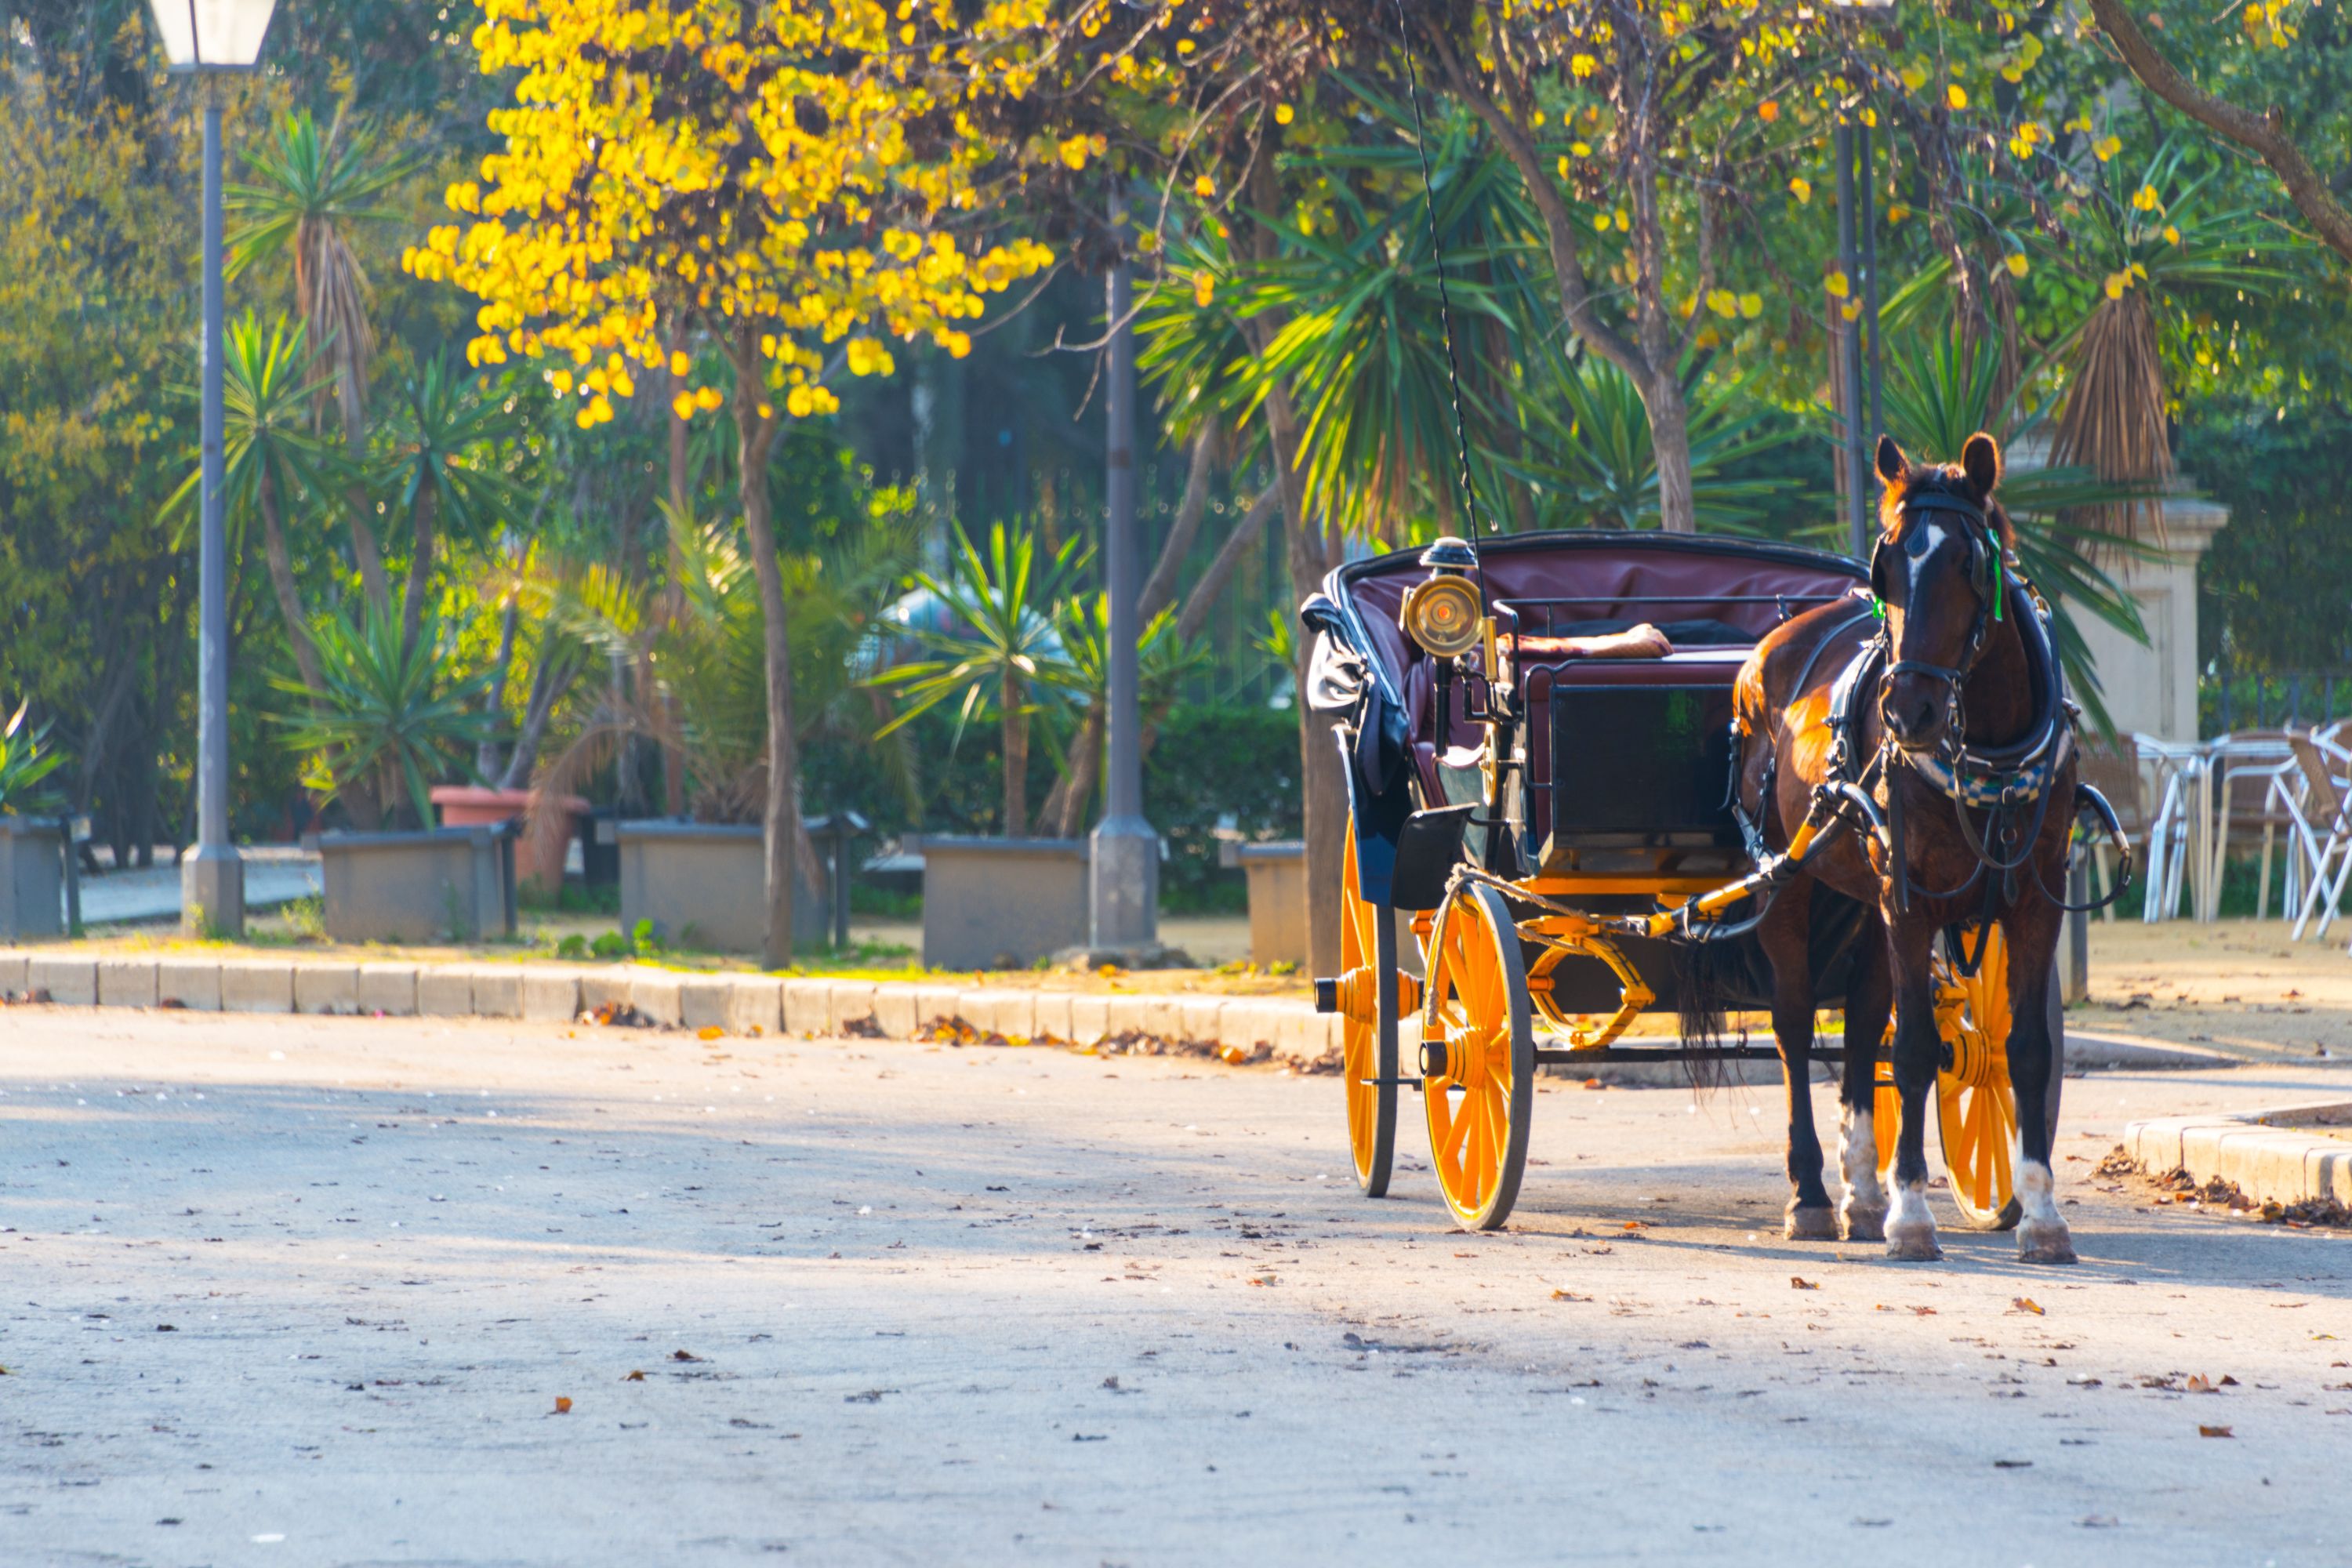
(274, 874)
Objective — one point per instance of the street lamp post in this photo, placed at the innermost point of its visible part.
(203, 39)
(1123, 858)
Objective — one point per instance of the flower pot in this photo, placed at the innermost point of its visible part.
(32, 878)
(1002, 903)
(704, 885)
(539, 856)
(446, 884)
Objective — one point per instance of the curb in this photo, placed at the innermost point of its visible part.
(2270, 1163)
(735, 1003)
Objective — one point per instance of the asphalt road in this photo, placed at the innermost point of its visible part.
(309, 1291)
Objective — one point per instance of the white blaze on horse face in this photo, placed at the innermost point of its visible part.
(1934, 535)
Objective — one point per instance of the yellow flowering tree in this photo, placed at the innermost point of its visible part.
(801, 180)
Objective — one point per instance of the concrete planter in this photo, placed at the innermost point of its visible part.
(538, 858)
(704, 885)
(1001, 903)
(32, 879)
(449, 883)
(1278, 900)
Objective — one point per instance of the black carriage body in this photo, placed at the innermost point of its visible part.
(1627, 761)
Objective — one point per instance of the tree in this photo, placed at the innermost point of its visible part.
(2265, 132)
(789, 179)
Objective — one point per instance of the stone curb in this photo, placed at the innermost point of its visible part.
(2270, 1163)
(737, 1003)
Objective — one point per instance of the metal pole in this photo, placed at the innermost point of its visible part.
(1865, 187)
(212, 879)
(1857, 460)
(1124, 854)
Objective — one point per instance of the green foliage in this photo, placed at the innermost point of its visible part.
(24, 761)
(1225, 767)
(2274, 588)
(390, 720)
(267, 440)
(999, 638)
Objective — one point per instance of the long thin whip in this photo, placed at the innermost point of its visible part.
(1437, 248)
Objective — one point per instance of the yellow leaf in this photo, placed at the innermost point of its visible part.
(711, 1032)
(1802, 188)
(2106, 147)
(1582, 66)
(1913, 78)
(1797, 1284)
(2027, 1304)
(1281, 114)
(683, 406)
(1956, 95)
(2145, 198)
(1204, 187)
(1582, 149)
(2016, 263)
(2171, 235)
(562, 1405)
(2117, 283)
(1837, 285)
(1751, 305)
(1204, 290)
(1767, 111)
(679, 365)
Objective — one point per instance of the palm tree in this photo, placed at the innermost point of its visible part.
(388, 721)
(2157, 261)
(444, 440)
(310, 189)
(272, 460)
(1001, 645)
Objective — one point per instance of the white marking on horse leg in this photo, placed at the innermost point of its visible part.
(1863, 1210)
(1911, 1226)
(2041, 1234)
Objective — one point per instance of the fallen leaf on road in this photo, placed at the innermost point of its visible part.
(711, 1032)
(1593, 1083)
(1262, 1279)
(635, 1377)
(562, 1405)
(684, 1355)
(2204, 1431)
(871, 1396)
(1569, 1296)
(2012, 1464)
(2198, 1383)
(1797, 1284)
(2027, 1304)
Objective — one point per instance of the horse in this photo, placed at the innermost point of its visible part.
(1939, 698)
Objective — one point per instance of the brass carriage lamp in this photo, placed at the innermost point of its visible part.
(1442, 613)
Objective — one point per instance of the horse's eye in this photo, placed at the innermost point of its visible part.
(1918, 543)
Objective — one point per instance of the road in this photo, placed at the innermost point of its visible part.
(309, 1291)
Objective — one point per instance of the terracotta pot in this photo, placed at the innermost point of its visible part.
(539, 856)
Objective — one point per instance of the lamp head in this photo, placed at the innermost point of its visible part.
(1443, 613)
(212, 35)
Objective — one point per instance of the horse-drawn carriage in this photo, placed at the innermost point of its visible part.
(1552, 836)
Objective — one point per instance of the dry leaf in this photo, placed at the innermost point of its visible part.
(1592, 1083)
(635, 1377)
(2205, 1431)
(1797, 1284)
(1262, 1279)
(1924, 1312)
(562, 1405)
(2027, 1304)
(711, 1032)
(684, 1355)
(1569, 1296)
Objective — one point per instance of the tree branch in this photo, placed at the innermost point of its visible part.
(2264, 135)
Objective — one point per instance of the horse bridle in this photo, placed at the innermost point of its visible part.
(1985, 567)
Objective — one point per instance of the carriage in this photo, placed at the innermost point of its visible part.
(1522, 827)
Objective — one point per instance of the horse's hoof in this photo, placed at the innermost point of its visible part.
(1816, 1223)
(2044, 1242)
(1863, 1224)
(1913, 1245)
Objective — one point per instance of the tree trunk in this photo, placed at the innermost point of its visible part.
(289, 595)
(494, 701)
(1013, 725)
(548, 684)
(1160, 589)
(755, 433)
(1064, 815)
(1670, 443)
(420, 570)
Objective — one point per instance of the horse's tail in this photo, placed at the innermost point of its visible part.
(1700, 988)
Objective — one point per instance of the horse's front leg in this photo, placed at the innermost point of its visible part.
(1869, 1002)
(2035, 1063)
(1785, 937)
(1918, 1051)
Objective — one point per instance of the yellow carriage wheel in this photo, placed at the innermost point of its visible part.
(1367, 1026)
(1976, 1110)
(1478, 1057)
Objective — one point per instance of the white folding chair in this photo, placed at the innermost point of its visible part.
(2321, 812)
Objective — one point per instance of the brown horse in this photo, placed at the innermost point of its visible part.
(1957, 730)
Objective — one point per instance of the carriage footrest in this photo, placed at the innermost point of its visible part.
(1326, 993)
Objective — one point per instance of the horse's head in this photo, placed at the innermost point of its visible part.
(1936, 569)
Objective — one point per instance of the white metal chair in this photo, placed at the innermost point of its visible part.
(2172, 830)
(2316, 802)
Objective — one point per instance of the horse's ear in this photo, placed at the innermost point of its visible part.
(1980, 460)
(1891, 464)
